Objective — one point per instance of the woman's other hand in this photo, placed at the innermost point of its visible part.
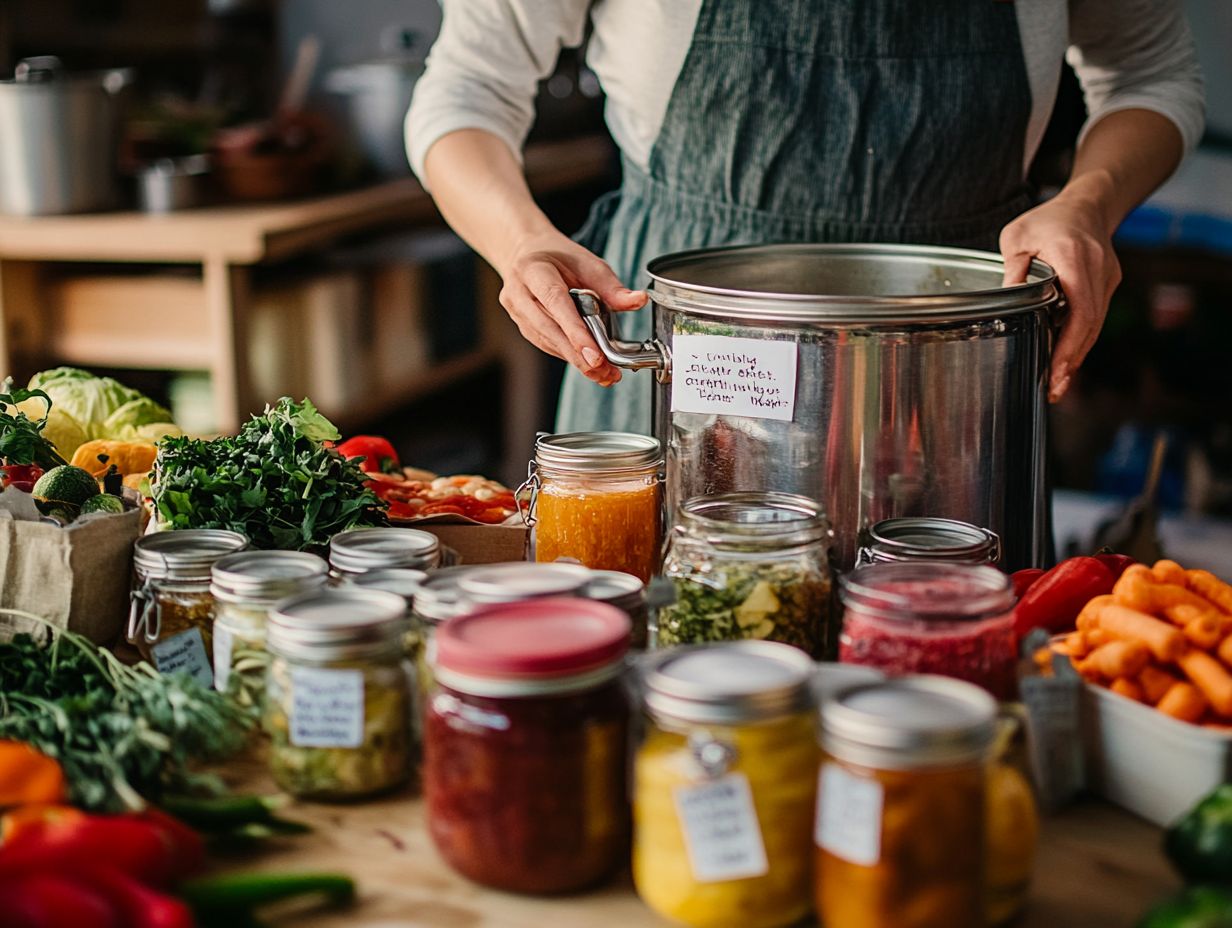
(538, 272)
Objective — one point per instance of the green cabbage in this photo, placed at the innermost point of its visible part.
(85, 407)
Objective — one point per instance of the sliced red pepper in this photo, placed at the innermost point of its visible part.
(1055, 599)
(1023, 580)
(137, 904)
(379, 456)
(21, 476)
(55, 900)
(1115, 563)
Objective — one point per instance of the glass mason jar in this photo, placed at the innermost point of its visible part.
(597, 499)
(519, 582)
(363, 549)
(245, 587)
(338, 694)
(171, 619)
(437, 600)
(725, 783)
(628, 594)
(928, 539)
(900, 819)
(931, 617)
(748, 565)
(525, 739)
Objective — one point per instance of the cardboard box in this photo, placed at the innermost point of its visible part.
(483, 544)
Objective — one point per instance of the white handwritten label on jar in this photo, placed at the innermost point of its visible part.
(718, 374)
(223, 640)
(327, 708)
(849, 816)
(184, 652)
(721, 831)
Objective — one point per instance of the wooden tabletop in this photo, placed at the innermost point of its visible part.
(248, 234)
(1098, 867)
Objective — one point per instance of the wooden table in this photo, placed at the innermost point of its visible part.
(219, 247)
(1098, 867)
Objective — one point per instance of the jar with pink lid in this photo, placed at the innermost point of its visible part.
(931, 617)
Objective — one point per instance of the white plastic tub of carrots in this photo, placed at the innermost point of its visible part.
(1157, 658)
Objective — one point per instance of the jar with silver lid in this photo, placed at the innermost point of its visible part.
(438, 599)
(338, 700)
(171, 619)
(928, 539)
(245, 587)
(628, 594)
(403, 582)
(748, 565)
(519, 581)
(596, 498)
(900, 819)
(361, 550)
(725, 783)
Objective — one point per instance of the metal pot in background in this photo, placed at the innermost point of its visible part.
(375, 96)
(920, 385)
(60, 138)
(170, 184)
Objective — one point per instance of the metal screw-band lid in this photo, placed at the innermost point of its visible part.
(336, 624)
(365, 549)
(266, 576)
(399, 580)
(597, 452)
(184, 554)
(930, 539)
(521, 581)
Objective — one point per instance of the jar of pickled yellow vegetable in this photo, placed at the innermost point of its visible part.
(596, 499)
(338, 698)
(725, 785)
(900, 827)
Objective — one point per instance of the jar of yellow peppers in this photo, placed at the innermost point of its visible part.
(725, 785)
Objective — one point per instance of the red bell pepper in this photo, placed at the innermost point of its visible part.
(55, 900)
(138, 905)
(21, 476)
(1115, 563)
(1023, 580)
(379, 456)
(1054, 600)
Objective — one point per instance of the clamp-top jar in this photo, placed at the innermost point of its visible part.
(172, 615)
(597, 499)
(338, 701)
(245, 587)
(363, 549)
(928, 539)
(748, 565)
(725, 785)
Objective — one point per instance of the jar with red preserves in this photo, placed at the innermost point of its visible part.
(931, 617)
(525, 738)
(596, 499)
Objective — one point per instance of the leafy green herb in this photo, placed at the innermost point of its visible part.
(275, 482)
(122, 734)
(21, 438)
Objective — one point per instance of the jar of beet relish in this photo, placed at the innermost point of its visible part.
(931, 617)
(525, 735)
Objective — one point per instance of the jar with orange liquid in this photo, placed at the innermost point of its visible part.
(597, 499)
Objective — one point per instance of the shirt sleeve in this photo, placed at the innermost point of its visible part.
(484, 68)
(1137, 54)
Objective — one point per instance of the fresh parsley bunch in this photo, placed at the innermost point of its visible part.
(21, 438)
(275, 481)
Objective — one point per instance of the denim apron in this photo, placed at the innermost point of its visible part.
(817, 121)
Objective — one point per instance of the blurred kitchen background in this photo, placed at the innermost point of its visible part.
(265, 237)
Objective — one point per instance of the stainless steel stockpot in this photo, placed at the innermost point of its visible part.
(920, 384)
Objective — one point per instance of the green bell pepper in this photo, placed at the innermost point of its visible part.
(1195, 907)
(1200, 844)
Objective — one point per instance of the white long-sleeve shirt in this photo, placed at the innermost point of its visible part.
(484, 68)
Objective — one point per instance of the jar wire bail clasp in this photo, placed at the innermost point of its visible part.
(531, 485)
(712, 756)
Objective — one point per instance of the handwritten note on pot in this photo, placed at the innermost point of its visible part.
(718, 374)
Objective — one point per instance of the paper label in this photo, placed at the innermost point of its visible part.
(186, 652)
(327, 708)
(849, 816)
(718, 374)
(223, 641)
(721, 831)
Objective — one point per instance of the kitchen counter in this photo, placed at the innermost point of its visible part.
(1098, 866)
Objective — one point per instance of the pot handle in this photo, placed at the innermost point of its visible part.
(38, 69)
(632, 356)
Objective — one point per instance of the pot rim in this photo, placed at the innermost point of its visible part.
(1040, 290)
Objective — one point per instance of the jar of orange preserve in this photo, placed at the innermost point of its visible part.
(596, 499)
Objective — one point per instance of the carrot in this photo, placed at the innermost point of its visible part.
(1087, 617)
(1076, 644)
(1207, 585)
(1208, 675)
(1117, 659)
(1183, 701)
(1164, 640)
(1204, 631)
(1184, 613)
(1168, 572)
(1225, 650)
(1155, 683)
(27, 776)
(1127, 688)
(1134, 588)
(1097, 636)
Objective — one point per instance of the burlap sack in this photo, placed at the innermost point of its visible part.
(76, 577)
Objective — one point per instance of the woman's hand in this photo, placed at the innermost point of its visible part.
(538, 274)
(1071, 233)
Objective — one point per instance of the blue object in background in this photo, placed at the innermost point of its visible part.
(1122, 469)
